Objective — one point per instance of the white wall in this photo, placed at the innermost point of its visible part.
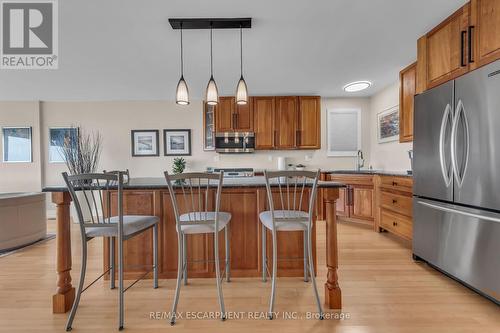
(21, 177)
(389, 155)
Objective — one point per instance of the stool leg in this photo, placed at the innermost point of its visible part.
(155, 256)
(228, 253)
(184, 258)
(112, 262)
(313, 278)
(275, 268)
(306, 250)
(80, 286)
(180, 257)
(120, 283)
(217, 275)
(264, 255)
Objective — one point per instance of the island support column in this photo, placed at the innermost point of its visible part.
(62, 300)
(333, 296)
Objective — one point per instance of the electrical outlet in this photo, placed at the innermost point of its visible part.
(270, 158)
(308, 158)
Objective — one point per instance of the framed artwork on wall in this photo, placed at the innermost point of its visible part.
(177, 142)
(388, 125)
(17, 146)
(145, 142)
(58, 138)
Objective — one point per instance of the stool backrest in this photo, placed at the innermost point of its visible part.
(291, 192)
(94, 188)
(193, 196)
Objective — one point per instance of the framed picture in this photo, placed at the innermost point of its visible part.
(388, 125)
(17, 146)
(58, 137)
(145, 143)
(177, 142)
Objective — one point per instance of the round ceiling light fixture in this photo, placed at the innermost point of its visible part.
(357, 86)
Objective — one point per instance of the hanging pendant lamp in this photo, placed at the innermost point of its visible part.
(212, 94)
(182, 92)
(241, 88)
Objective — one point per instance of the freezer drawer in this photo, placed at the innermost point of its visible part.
(462, 242)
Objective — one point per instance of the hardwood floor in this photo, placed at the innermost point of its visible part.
(383, 291)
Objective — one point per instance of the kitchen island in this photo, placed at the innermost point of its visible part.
(243, 197)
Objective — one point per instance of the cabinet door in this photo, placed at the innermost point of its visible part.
(362, 203)
(309, 135)
(244, 117)
(485, 23)
(224, 114)
(407, 81)
(446, 48)
(264, 109)
(341, 205)
(286, 122)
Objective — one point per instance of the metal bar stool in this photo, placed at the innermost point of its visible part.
(290, 198)
(193, 217)
(95, 187)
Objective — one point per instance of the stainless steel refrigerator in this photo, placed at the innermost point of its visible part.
(456, 201)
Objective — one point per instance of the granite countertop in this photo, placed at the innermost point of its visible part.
(370, 172)
(152, 183)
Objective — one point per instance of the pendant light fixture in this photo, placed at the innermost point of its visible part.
(182, 92)
(212, 94)
(241, 88)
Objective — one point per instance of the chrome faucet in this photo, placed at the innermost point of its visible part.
(360, 161)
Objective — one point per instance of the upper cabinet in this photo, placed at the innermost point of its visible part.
(264, 115)
(286, 122)
(407, 89)
(309, 129)
(485, 29)
(466, 40)
(232, 117)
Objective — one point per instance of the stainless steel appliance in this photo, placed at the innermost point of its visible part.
(233, 172)
(235, 142)
(457, 179)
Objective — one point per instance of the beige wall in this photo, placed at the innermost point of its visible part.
(389, 155)
(114, 120)
(21, 177)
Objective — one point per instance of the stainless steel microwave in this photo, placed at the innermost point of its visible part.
(235, 142)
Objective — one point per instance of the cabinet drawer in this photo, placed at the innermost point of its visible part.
(399, 203)
(404, 184)
(396, 223)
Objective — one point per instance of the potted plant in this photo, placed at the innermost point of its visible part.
(178, 167)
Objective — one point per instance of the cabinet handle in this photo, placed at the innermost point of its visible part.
(234, 121)
(462, 45)
(394, 201)
(275, 138)
(470, 51)
(394, 183)
(297, 138)
(394, 223)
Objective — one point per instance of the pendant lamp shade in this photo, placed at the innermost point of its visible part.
(182, 92)
(212, 96)
(241, 92)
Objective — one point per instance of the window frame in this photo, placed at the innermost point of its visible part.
(337, 153)
(30, 144)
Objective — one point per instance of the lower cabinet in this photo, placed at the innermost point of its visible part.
(394, 205)
(356, 201)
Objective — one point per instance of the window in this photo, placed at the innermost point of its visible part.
(17, 144)
(344, 132)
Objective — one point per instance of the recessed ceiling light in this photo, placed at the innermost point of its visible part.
(357, 86)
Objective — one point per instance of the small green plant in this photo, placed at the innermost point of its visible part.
(179, 165)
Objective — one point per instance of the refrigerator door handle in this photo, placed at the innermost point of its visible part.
(447, 173)
(461, 211)
(459, 174)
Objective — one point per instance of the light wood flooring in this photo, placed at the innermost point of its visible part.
(383, 290)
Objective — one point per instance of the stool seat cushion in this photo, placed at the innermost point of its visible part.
(285, 220)
(203, 222)
(132, 224)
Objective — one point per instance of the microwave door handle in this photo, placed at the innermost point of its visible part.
(447, 176)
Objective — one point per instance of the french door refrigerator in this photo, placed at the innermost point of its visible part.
(456, 201)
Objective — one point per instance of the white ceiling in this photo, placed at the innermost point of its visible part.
(126, 49)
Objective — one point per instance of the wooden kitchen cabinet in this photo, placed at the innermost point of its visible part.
(446, 48)
(309, 129)
(485, 31)
(356, 202)
(232, 117)
(286, 130)
(407, 90)
(264, 108)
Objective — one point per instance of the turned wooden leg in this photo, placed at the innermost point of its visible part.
(333, 296)
(65, 293)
